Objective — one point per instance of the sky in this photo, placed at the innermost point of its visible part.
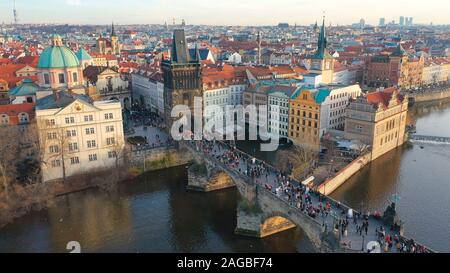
(223, 12)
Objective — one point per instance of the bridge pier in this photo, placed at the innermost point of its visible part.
(213, 180)
(253, 223)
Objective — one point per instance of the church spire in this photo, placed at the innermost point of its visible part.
(113, 32)
(322, 42)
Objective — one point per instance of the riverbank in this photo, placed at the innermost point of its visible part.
(429, 96)
(34, 197)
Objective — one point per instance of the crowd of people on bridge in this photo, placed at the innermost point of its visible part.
(301, 197)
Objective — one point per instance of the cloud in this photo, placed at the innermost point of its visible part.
(73, 2)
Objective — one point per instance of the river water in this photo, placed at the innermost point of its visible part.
(156, 214)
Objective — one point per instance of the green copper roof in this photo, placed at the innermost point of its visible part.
(58, 57)
(318, 95)
(83, 55)
(27, 88)
(321, 95)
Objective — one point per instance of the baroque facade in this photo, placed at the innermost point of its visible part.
(378, 120)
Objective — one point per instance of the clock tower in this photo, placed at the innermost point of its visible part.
(322, 62)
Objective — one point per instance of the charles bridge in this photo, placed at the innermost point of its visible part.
(263, 212)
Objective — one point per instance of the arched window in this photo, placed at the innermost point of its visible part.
(23, 118)
(4, 119)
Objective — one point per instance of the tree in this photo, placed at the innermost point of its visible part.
(9, 150)
(362, 147)
(297, 160)
(54, 143)
(17, 156)
(120, 151)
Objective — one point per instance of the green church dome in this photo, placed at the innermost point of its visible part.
(57, 56)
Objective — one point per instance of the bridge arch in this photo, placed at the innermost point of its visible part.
(275, 222)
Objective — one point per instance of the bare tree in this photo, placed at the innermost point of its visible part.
(362, 147)
(9, 149)
(54, 143)
(120, 152)
(296, 160)
(16, 145)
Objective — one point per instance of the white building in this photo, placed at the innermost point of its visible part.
(222, 93)
(278, 99)
(77, 136)
(234, 58)
(280, 58)
(435, 71)
(148, 90)
(344, 76)
(333, 107)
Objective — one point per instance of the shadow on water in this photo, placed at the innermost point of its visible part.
(153, 213)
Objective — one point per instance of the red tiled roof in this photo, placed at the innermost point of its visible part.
(8, 73)
(13, 111)
(377, 97)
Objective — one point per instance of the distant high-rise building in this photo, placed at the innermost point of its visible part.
(362, 22)
(410, 21)
(382, 22)
(402, 21)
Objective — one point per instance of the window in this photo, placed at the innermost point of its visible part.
(73, 147)
(70, 120)
(112, 154)
(75, 77)
(71, 133)
(90, 131)
(56, 163)
(89, 118)
(93, 157)
(50, 122)
(110, 141)
(110, 128)
(109, 116)
(61, 78)
(51, 136)
(91, 144)
(23, 118)
(46, 79)
(54, 149)
(74, 160)
(5, 119)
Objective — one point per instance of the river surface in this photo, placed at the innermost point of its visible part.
(156, 214)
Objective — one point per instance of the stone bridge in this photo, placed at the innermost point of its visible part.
(260, 213)
(263, 212)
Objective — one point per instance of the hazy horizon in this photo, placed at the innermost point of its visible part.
(229, 12)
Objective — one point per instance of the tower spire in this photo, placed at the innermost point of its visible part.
(322, 42)
(113, 32)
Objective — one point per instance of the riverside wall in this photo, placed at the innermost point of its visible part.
(330, 185)
(430, 96)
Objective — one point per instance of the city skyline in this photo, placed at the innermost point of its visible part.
(231, 12)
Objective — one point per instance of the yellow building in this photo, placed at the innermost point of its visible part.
(304, 119)
(378, 120)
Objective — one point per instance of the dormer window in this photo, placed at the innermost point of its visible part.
(4, 119)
